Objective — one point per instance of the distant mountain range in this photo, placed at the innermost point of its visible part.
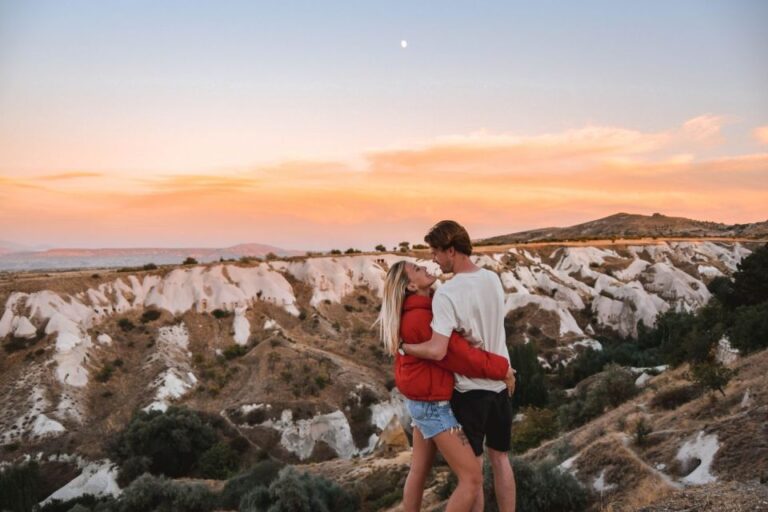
(628, 225)
(63, 258)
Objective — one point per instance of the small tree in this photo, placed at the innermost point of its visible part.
(404, 246)
(335, 251)
(381, 248)
(712, 376)
(270, 256)
(642, 429)
(190, 261)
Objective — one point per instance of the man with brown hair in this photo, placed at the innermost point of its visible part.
(472, 303)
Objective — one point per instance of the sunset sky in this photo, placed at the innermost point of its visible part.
(307, 125)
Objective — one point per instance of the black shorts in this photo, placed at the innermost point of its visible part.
(484, 415)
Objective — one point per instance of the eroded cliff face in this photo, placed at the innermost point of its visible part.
(285, 350)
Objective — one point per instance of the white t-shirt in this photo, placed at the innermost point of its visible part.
(472, 303)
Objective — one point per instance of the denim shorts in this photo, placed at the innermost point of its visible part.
(432, 418)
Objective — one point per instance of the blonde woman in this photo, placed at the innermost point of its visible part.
(428, 385)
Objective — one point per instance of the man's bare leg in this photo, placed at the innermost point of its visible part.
(503, 480)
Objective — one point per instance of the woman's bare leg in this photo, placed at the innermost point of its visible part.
(421, 463)
(455, 448)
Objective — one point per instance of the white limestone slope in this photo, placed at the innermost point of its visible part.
(299, 436)
(613, 288)
(97, 479)
(177, 377)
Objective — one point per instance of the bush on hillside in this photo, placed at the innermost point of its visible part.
(172, 441)
(541, 487)
(190, 261)
(150, 315)
(750, 328)
(530, 387)
(672, 398)
(537, 426)
(262, 474)
(20, 487)
(298, 492)
(712, 376)
(219, 462)
(150, 493)
(125, 324)
(233, 351)
(613, 387)
(750, 281)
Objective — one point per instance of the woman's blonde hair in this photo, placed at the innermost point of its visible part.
(395, 291)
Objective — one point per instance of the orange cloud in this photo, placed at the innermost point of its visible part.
(492, 183)
(69, 176)
(761, 134)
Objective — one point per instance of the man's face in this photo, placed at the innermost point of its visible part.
(444, 258)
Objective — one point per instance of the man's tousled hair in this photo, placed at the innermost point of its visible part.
(449, 233)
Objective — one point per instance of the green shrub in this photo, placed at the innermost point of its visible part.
(233, 351)
(125, 324)
(541, 487)
(750, 328)
(105, 373)
(190, 261)
(672, 398)
(298, 492)
(218, 462)
(750, 281)
(642, 429)
(220, 313)
(613, 387)
(20, 487)
(262, 474)
(538, 425)
(150, 315)
(149, 266)
(172, 441)
(712, 376)
(530, 388)
(132, 468)
(150, 493)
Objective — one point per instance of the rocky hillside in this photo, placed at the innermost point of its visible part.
(284, 351)
(627, 225)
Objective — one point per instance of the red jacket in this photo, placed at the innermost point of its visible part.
(426, 380)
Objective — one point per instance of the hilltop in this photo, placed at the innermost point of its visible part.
(633, 226)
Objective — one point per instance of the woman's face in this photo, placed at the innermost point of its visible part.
(418, 276)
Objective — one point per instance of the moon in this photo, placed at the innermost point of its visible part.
(404, 44)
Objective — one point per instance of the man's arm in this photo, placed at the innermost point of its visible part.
(435, 348)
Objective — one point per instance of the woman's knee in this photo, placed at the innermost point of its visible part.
(472, 479)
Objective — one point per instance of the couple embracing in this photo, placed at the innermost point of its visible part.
(452, 365)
